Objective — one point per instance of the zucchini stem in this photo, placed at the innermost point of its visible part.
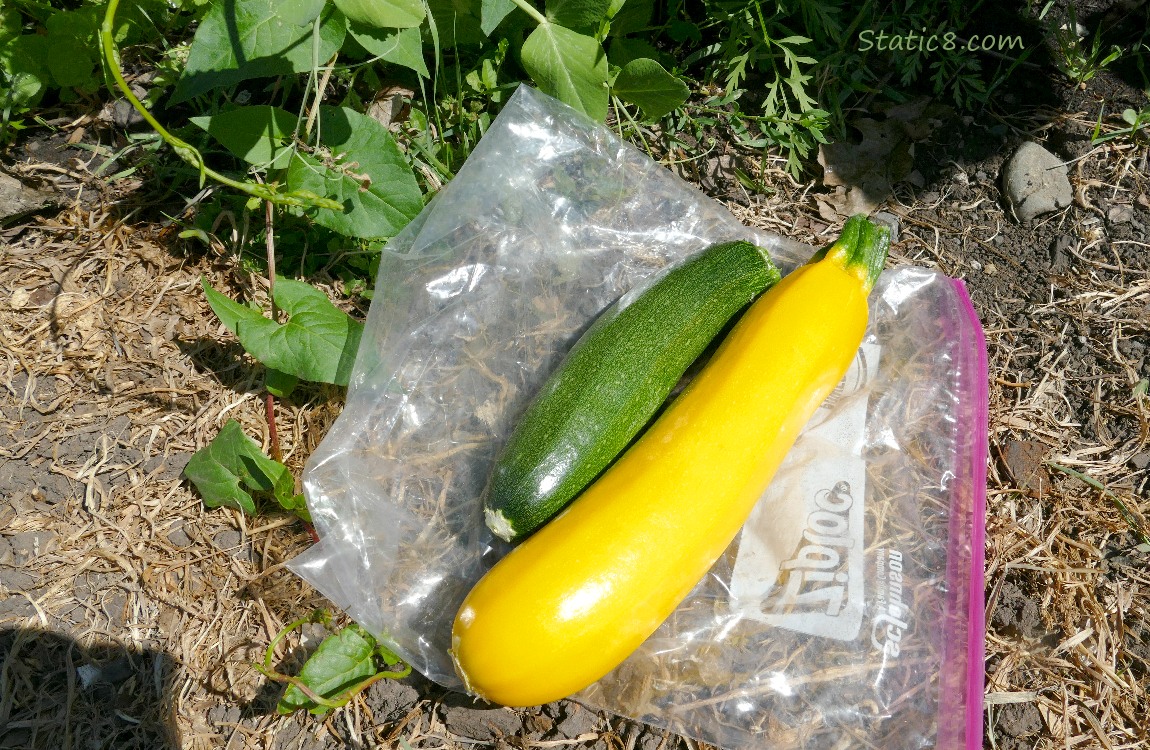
(861, 249)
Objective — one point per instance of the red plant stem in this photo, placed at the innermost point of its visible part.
(273, 434)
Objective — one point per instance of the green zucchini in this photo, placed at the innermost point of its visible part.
(613, 381)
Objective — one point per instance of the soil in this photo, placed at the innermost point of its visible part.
(130, 615)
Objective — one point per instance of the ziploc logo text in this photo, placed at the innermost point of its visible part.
(819, 576)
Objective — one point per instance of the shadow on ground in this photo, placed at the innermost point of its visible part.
(56, 694)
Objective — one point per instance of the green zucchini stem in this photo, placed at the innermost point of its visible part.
(861, 249)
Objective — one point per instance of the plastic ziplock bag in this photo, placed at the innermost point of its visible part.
(849, 610)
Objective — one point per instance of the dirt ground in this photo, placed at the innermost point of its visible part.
(130, 614)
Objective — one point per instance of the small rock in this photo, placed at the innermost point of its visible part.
(88, 674)
(178, 536)
(885, 217)
(483, 724)
(572, 720)
(115, 607)
(229, 541)
(28, 545)
(1020, 720)
(5, 551)
(118, 670)
(17, 199)
(121, 113)
(975, 265)
(1140, 460)
(224, 714)
(391, 700)
(1120, 214)
(124, 115)
(1035, 182)
(539, 723)
(16, 580)
(1024, 459)
(990, 269)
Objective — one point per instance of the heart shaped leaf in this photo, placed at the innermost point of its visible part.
(232, 469)
(341, 662)
(360, 166)
(318, 342)
(569, 66)
(258, 134)
(646, 83)
(243, 39)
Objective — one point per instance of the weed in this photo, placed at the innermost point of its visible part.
(1137, 127)
(1078, 61)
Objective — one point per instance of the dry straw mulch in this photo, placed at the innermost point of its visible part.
(113, 373)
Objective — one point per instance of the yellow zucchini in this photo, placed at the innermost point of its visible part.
(574, 600)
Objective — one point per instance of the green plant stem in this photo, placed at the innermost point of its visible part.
(741, 116)
(1127, 516)
(185, 150)
(340, 700)
(532, 11)
(439, 166)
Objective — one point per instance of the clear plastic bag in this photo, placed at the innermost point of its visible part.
(848, 612)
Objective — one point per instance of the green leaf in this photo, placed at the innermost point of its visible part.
(583, 16)
(72, 51)
(11, 24)
(280, 384)
(301, 12)
(362, 168)
(384, 14)
(243, 39)
(318, 343)
(457, 22)
(646, 83)
(260, 134)
(492, 13)
(402, 47)
(20, 59)
(634, 16)
(341, 662)
(232, 466)
(623, 51)
(569, 66)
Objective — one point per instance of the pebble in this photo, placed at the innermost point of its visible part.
(17, 199)
(1036, 182)
(886, 217)
(1120, 214)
